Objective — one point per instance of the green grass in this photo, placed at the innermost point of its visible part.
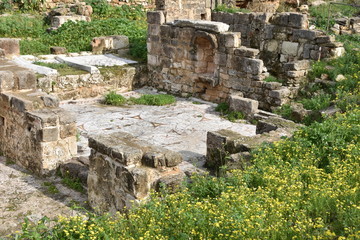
(73, 183)
(224, 110)
(112, 98)
(76, 36)
(115, 99)
(317, 102)
(154, 100)
(273, 79)
(224, 8)
(51, 188)
(62, 68)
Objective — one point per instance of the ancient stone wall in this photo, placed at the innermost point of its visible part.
(213, 60)
(49, 4)
(185, 9)
(225, 147)
(92, 85)
(281, 38)
(124, 169)
(34, 132)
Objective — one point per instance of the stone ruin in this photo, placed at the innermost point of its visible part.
(226, 59)
(234, 53)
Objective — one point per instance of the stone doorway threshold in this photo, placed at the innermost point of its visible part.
(181, 127)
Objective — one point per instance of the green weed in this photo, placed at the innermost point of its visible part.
(51, 188)
(154, 100)
(112, 98)
(62, 68)
(317, 102)
(273, 79)
(73, 183)
(225, 8)
(224, 110)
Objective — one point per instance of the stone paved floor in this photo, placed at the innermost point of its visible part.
(180, 127)
(24, 195)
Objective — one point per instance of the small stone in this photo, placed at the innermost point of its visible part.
(340, 78)
(58, 50)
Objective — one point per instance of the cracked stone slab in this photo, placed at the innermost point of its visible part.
(203, 25)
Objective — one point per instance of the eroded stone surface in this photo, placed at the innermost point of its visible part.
(23, 195)
(181, 127)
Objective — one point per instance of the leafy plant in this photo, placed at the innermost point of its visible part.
(154, 100)
(73, 183)
(318, 102)
(62, 68)
(224, 110)
(225, 8)
(51, 188)
(273, 79)
(112, 98)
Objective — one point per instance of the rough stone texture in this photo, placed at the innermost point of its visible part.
(217, 27)
(123, 170)
(58, 50)
(57, 21)
(245, 105)
(10, 47)
(224, 143)
(109, 44)
(185, 9)
(14, 77)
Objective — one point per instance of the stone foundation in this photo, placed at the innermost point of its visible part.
(231, 149)
(34, 132)
(123, 170)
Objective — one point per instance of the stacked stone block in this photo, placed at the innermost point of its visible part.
(34, 132)
(124, 169)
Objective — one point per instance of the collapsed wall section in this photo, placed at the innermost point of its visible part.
(34, 132)
(124, 169)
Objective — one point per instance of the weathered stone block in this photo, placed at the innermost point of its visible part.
(49, 134)
(6, 81)
(58, 50)
(50, 101)
(289, 48)
(26, 78)
(232, 40)
(21, 105)
(298, 65)
(280, 93)
(155, 17)
(245, 105)
(298, 20)
(10, 46)
(305, 34)
(217, 27)
(246, 52)
(68, 130)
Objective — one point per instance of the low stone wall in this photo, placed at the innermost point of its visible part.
(34, 132)
(225, 147)
(123, 170)
(9, 47)
(92, 85)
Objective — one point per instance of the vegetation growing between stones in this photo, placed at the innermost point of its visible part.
(273, 79)
(225, 112)
(296, 188)
(115, 99)
(73, 183)
(225, 8)
(62, 68)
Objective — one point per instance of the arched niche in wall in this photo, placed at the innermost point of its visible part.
(203, 48)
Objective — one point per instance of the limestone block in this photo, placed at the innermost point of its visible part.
(26, 78)
(10, 46)
(249, 65)
(172, 181)
(246, 52)
(153, 29)
(245, 105)
(298, 65)
(50, 101)
(298, 20)
(46, 117)
(272, 85)
(120, 41)
(125, 154)
(57, 21)
(232, 39)
(20, 104)
(306, 34)
(217, 27)
(58, 50)
(6, 81)
(155, 17)
(49, 134)
(296, 74)
(281, 19)
(272, 46)
(152, 60)
(325, 39)
(280, 93)
(241, 18)
(338, 52)
(289, 48)
(68, 130)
